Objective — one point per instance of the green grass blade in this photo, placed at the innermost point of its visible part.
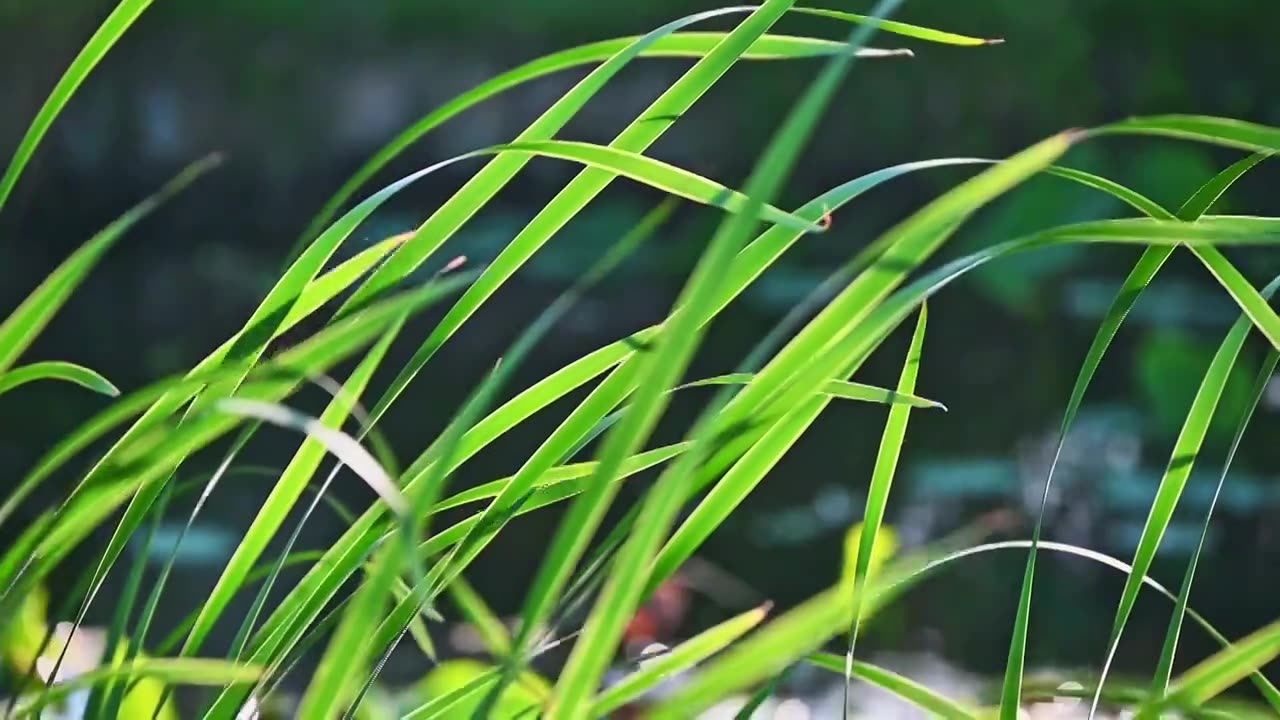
(485, 184)
(902, 248)
(284, 494)
(891, 440)
(561, 474)
(1164, 667)
(142, 463)
(934, 703)
(1260, 681)
(680, 44)
(1212, 676)
(1203, 128)
(20, 329)
(1253, 304)
(1153, 258)
(172, 671)
(1204, 198)
(322, 583)
(1185, 450)
(842, 389)
(657, 174)
(676, 660)
(57, 370)
(90, 54)
(662, 369)
(900, 28)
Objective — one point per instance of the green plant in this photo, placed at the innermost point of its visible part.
(757, 414)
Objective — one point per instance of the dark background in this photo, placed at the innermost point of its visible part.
(298, 94)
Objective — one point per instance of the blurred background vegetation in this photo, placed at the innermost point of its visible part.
(298, 93)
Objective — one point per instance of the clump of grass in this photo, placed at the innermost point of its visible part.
(759, 412)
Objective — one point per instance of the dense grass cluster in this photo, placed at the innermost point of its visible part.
(400, 560)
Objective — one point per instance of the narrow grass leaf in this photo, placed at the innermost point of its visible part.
(676, 660)
(1214, 675)
(58, 370)
(285, 492)
(1203, 128)
(1152, 259)
(895, 432)
(930, 701)
(1269, 691)
(1164, 666)
(171, 671)
(110, 31)
(662, 369)
(21, 327)
(842, 389)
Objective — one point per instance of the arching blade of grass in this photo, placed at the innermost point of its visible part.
(57, 370)
(482, 186)
(562, 474)
(635, 138)
(933, 703)
(437, 707)
(893, 255)
(657, 174)
(1153, 258)
(181, 388)
(900, 28)
(662, 369)
(675, 45)
(817, 355)
(172, 671)
(1259, 680)
(284, 494)
(1185, 450)
(1201, 128)
(1212, 676)
(676, 660)
(842, 389)
(895, 432)
(20, 329)
(727, 494)
(359, 643)
(1164, 667)
(141, 463)
(306, 600)
(111, 30)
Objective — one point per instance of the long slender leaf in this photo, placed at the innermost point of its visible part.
(173, 671)
(1153, 258)
(1220, 671)
(1164, 667)
(111, 30)
(20, 329)
(676, 660)
(476, 611)
(891, 440)
(676, 44)
(662, 369)
(284, 493)
(322, 582)
(1202, 128)
(57, 370)
(936, 704)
